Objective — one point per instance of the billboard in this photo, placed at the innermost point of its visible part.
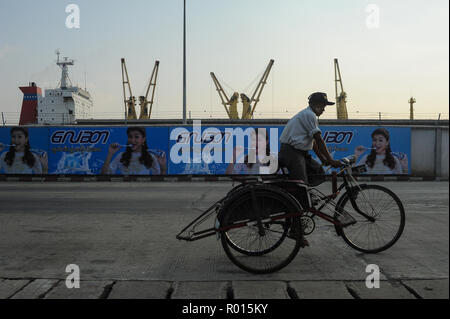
(384, 150)
(237, 150)
(187, 150)
(24, 150)
(108, 151)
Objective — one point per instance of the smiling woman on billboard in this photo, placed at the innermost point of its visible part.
(20, 159)
(137, 159)
(381, 159)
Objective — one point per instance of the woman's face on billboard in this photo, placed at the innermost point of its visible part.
(136, 140)
(380, 143)
(19, 139)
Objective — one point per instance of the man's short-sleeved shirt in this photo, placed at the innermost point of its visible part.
(299, 131)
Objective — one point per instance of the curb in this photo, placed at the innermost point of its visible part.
(189, 178)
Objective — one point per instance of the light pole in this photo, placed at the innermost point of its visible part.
(184, 63)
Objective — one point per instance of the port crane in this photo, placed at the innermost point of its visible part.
(341, 96)
(145, 104)
(248, 104)
(247, 108)
(130, 103)
(230, 105)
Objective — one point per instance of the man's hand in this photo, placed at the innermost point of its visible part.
(335, 164)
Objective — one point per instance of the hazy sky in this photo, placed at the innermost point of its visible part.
(381, 67)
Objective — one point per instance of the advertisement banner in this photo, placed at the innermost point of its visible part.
(108, 151)
(24, 150)
(384, 150)
(200, 150)
(190, 150)
(225, 150)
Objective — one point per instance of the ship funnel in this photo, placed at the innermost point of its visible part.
(28, 114)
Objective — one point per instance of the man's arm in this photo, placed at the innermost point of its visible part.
(320, 148)
(318, 153)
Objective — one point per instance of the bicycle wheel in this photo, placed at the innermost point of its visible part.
(386, 228)
(264, 249)
(234, 238)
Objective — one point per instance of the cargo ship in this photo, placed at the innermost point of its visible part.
(62, 105)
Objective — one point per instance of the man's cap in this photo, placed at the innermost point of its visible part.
(319, 98)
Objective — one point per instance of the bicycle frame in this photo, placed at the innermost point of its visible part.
(349, 183)
(193, 235)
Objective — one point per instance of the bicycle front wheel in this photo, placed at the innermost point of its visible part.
(266, 247)
(386, 226)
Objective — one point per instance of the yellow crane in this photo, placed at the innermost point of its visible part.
(130, 103)
(247, 108)
(341, 96)
(146, 106)
(230, 105)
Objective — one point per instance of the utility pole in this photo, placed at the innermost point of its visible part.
(184, 63)
(411, 108)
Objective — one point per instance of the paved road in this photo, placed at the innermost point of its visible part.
(122, 237)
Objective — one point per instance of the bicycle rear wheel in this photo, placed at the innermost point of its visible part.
(272, 245)
(386, 228)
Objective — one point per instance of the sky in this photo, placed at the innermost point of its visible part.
(383, 62)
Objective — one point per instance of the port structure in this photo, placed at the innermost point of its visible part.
(145, 104)
(130, 101)
(411, 108)
(341, 96)
(248, 104)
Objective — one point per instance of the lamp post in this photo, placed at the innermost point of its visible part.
(184, 62)
(411, 108)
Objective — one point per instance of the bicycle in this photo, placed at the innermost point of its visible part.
(261, 223)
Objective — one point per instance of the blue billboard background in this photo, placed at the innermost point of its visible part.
(212, 149)
(84, 150)
(357, 140)
(341, 142)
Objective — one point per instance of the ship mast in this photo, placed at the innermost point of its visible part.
(65, 70)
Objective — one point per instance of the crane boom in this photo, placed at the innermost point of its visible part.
(223, 96)
(256, 95)
(146, 111)
(231, 104)
(341, 96)
(130, 103)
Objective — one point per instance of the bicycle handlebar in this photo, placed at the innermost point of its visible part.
(349, 160)
(346, 161)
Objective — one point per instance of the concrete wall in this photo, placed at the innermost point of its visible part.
(429, 151)
(444, 154)
(422, 151)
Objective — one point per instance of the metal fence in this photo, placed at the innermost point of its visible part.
(13, 118)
